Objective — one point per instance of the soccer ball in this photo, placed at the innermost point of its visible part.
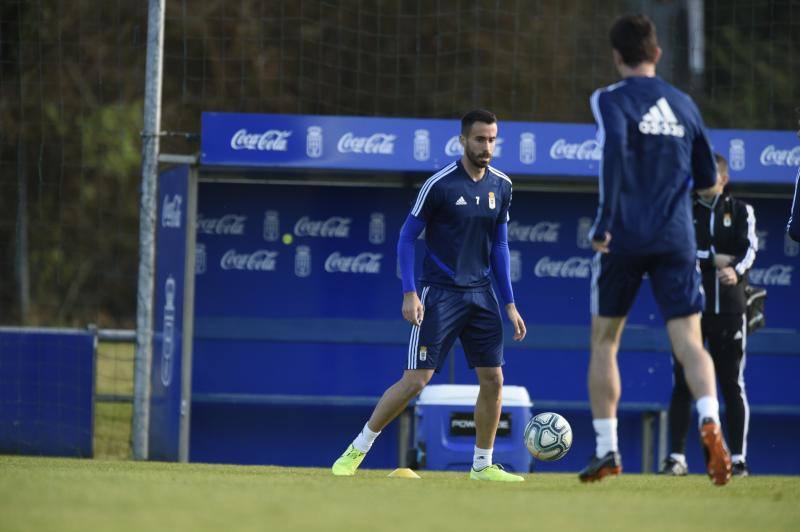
(548, 436)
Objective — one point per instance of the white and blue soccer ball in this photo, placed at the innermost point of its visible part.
(548, 436)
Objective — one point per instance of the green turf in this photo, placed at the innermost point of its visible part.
(94, 495)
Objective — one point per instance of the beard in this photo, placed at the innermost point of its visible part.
(476, 158)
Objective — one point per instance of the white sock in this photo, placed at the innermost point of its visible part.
(365, 439)
(707, 406)
(680, 458)
(737, 458)
(606, 435)
(482, 458)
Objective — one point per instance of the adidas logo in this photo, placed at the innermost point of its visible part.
(461, 201)
(660, 120)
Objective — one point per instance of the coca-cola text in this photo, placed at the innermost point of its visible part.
(227, 224)
(775, 275)
(333, 227)
(541, 232)
(571, 268)
(361, 263)
(581, 151)
(262, 260)
(270, 140)
(378, 143)
(773, 156)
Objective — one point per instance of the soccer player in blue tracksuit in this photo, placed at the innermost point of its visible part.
(464, 211)
(655, 150)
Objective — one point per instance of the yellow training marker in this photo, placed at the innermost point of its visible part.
(403, 472)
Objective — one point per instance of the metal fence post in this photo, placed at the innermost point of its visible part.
(147, 227)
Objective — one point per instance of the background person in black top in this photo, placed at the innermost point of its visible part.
(726, 248)
(793, 225)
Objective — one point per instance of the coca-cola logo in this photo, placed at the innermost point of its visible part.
(377, 143)
(227, 224)
(540, 232)
(270, 140)
(571, 268)
(171, 211)
(333, 227)
(262, 260)
(588, 150)
(775, 275)
(454, 148)
(773, 156)
(361, 263)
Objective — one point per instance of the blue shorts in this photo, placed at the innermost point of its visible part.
(473, 317)
(674, 277)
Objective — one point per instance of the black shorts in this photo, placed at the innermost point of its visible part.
(473, 317)
(674, 277)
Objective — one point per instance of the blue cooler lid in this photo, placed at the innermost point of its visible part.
(467, 394)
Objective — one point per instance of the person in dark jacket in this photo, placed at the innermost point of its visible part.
(793, 226)
(725, 228)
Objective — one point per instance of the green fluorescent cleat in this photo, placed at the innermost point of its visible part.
(347, 464)
(496, 473)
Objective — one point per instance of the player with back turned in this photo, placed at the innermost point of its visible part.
(464, 211)
(655, 150)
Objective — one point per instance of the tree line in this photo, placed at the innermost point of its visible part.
(72, 85)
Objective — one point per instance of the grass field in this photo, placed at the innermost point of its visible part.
(45, 494)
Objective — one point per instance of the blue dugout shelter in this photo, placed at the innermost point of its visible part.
(278, 300)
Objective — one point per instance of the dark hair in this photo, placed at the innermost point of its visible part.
(476, 115)
(634, 37)
(722, 163)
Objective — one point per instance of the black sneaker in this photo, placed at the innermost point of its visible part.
(739, 469)
(610, 464)
(674, 468)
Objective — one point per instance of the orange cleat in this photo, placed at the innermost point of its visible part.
(718, 460)
(608, 465)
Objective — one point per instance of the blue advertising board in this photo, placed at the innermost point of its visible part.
(165, 381)
(46, 391)
(296, 249)
(329, 252)
(426, 145)
(297, 293)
